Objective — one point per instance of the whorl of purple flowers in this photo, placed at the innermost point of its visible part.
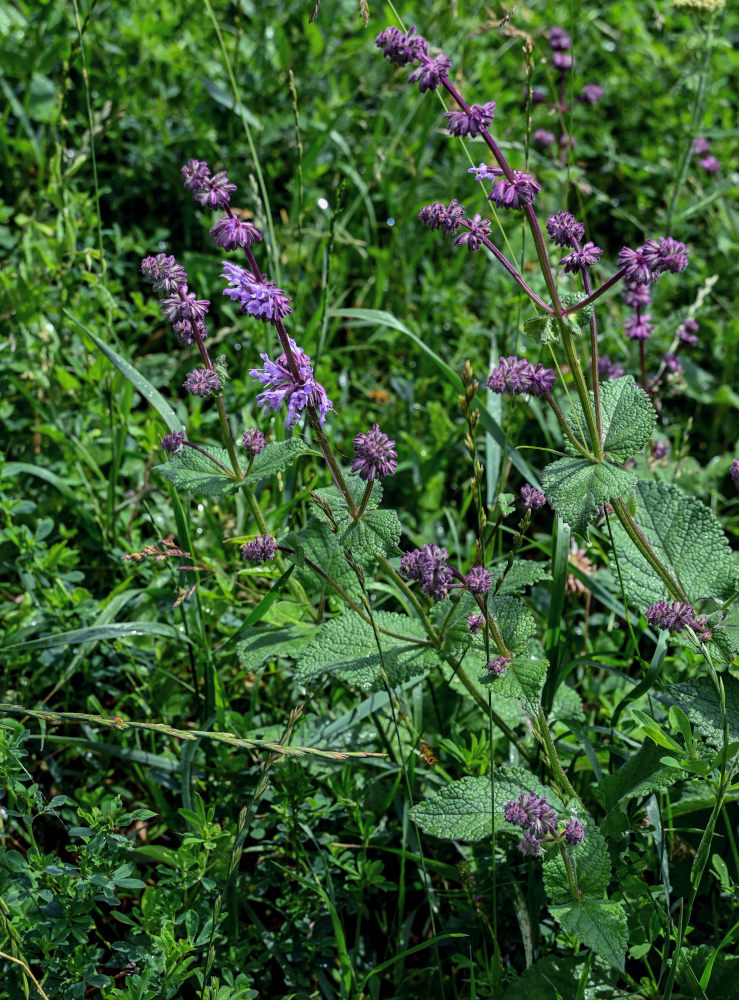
(653, 258)
(584, 257)
(478, 580)
(260, 550)
(469, 123)
(173, 442)
(672, 617)
(283, 386)
(404, 48)
(202, 382)
(543, 137)
(447, 218)
(608, 368)
(687, 332)
(498, 665)
(734, 470)
(231, 233)
(253, 440)
(374, 455)
(517, 193)
(428, 565)
(209, 191)
(564, 229)
(638, 327)
(255, 296)
(591, 93)
(183, 310)
(536, 817)
(517, 375)
(531, 498)
(475, 623)
(477, 231)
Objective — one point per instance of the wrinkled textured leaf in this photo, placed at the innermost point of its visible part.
(589, 859)
(567, 707)
(599, 924)
(513, 620)
(686, 537)
(627, 418)
(191, 470)
(377, 533)
(345, 647)
(698, 698)
(524, 678)
(522, 574)
(642, 774)
(551, 978)
(263, 644)
(318, 543)
(276, 457)
(576, 488)
(334, 499)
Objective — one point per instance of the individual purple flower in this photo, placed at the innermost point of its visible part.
(478, 580)
(608, 369)
(231, 233)
(574, 832)
(463, 123)
(512, 375)
(401, 48)
(563, 61)
(478, 229)
(282, 385)
(543, 137)
(636, 296)
(431, 72)
(647, 262)
(498, 665)
(164, 274)
(710, 164)
(256, 296)
(439, 216)
(202, 382)
(636, 268)
(542, 380)
(173, 442)
(428, 565)
(529, 846)
(532, 499)
(578, 260)
(660, 450)
(591, 93)
(734, 470)
(374, 455)
(672, 364)
(559, 39)
(475, 623)
(260, 550)
(687, 331)
(253, 440)
(672, 617)
(638, 327)
(209, 191)
(517, 193)
(485, 172)
(564, 229)
(700, 145)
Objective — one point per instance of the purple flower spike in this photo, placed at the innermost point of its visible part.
(517, 193)
(578, 260)
(647, 262)
(210, 192)
(734, 470)
(543, 137)
(529, 846)
(230, 233)
(431, 72)
(563, 61)
(672, 363)
(700, 145)
(400, 48)
(375, 455)
(202, 382)
(463, 124)
(173, 442)
(428, 565)
(478, 580)
(608, 369)
(638, 327)
(686, 332)
(253, 441)
(670, 617)
(710, 164)
(532, 499)
(499, 665)
(439, 216)
(256, 296)
(591, 93)
(262, 549)
(283, 386)
(574, 832)
(475, 623)
(164, 274)
(564, 229)
(512, 375)
(542, 380)
(559, 39)
(636, 296)
(478, 229)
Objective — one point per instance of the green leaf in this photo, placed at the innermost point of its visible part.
(524, 678)
(513, 620)
(263, 644)
(345, 647)
(329, 498)
(641, 775)
(318, 543)
(551, 978)
(686, 537)
(627, 418)
(599, 924)
(95, 633)
(698, 698)
(576, 488)
(590, 861)
(522, 574)
(193, 471)
(276, 457)
(377, 532)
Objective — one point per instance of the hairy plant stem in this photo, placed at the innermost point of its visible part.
(567, 429)
(588, 285)
(554, 762)
(582, 391)
(634, 532)
(600, 290)
(576, 893)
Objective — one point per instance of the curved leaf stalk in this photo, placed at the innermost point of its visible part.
(635, 534)
(545, 737)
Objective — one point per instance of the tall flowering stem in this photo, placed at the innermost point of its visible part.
(635, 534)
(588, 285)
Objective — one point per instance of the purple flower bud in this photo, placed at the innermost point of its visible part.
(517, 193)
(375, 455)
(542, 380)
(608, 369)
(209, 191)
(164, 274)
(532, 499)
(636, 296)
(400, 48)
(543, 137)
(638, 327)
(475, 623)
(478, 229)
(574, 832)
(559, 39)
(283, 386)
(478, 580)
(700, 145)
(529, 846)
(710, 164)
(564, 229)
(462, 123)
(734, 470)
(202, 382)
(431, 72)
(499, 665)
(253, 441)
(591, 93)
(578, 260)
(686, 332)
(256, 296)
(428, 565)
(660, 450)
(670, 617)
(439, 216)
(262, 549)
(173, 442)
(230, 233)
(672, 364)
(563, 61)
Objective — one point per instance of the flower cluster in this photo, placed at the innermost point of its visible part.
(202, 382)
(474, 236)
(653, 258)
(173, 442)
(475, 623)
(516, 193)
(560, 44)
(734, 470)
(255, 295)
(374, 455)
(517, 375)
(581, 258)
(447, 218)
(607, 368)
(231, 233)
(260, 550)
(181, 308)
(404, 48)
(637, 297)
(478, 580)
(536, 817)
(565, 230)
(253, 440)
(532, 499)
(429, 566)
(299, 390)
(209, 191)
(709, 163)
(469, 123)
(498, 665)
(676, 617)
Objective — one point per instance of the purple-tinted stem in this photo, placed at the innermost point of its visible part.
(516, 276)
(596, 294)
(643, 365)
(593, 351)
(196, 447)
(566, 427)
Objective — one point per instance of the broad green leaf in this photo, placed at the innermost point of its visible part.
(698, 698)
(377, 532)
(548, 329)
(590, 861)
(522, 574)
(331, 498)
(96, 633)
(552, 978)
(642, 774)
(599, 924)
(576, 488)
(686, 537)
(263, 644)
(627, 418)
(513, 620)
(567, 707)
(317, 543)
(194, 472)
(345, 647)
(276, 457)
(524, 678)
